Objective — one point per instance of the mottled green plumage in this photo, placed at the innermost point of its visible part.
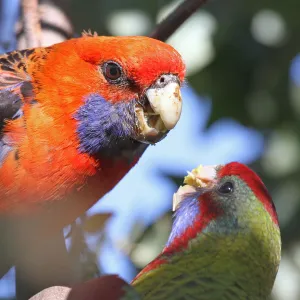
(236, 256)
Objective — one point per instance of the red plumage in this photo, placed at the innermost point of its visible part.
(49, 166)
(70, 129)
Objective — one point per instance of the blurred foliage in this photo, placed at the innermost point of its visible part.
(96, 222)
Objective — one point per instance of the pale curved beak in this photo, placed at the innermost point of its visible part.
(200, 177)
(160, 110)
(167, 103)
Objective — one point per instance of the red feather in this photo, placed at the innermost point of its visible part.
(208, 211)
(49, 165)
(152, 266)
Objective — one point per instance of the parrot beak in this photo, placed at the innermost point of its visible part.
(161, 109)
(201, 178)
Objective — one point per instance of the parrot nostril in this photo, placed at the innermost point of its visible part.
(165, 79)
(162, 79)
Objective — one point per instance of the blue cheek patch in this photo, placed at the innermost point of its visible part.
(102, 125)
(184, 217)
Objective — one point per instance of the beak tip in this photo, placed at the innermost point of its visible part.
(170, 124)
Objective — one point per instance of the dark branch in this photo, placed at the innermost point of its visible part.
(169, 25)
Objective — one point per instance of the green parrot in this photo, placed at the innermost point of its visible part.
(225, 240)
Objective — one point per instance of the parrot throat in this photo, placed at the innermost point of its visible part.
(190, 219)
(107, 130)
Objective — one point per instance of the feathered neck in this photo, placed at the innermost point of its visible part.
(192, 216)
(190, 219)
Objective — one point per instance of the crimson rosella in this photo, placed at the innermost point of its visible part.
(74, 118)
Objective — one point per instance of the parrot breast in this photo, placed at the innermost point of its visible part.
(214, 267)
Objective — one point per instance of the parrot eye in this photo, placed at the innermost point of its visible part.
(226, 188)
(112, 72)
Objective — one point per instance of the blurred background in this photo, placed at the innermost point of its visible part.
(241, 103)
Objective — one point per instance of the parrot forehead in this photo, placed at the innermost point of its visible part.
(143, 59)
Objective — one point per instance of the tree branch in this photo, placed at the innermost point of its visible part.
(32, 25)
(169, 25)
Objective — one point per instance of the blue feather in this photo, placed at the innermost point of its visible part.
(104, 127)
(184, 216)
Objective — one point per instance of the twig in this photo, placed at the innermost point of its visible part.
(32, 26)
(169, 25)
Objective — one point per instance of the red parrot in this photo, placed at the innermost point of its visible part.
(74, 119)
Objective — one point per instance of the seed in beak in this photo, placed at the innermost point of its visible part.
(201, 176)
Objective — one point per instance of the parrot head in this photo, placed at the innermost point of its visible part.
(222, 199)
(225, 239)
(118, 91)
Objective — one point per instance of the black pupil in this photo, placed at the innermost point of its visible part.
(113, 71)
(226, 188)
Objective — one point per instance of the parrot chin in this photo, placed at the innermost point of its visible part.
(159, 110)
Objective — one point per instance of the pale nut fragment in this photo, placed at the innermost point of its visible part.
(201, 176)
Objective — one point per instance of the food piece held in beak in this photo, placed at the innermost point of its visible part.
(200, 177)
(160, 110)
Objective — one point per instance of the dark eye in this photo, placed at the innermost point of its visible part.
(112, 72)
(226, 188)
